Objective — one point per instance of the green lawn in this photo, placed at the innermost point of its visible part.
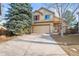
(70, 43)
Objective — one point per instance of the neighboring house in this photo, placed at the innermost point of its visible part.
(2, 27)
(2, 30)
(45, 21)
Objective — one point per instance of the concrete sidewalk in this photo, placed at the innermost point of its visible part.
(32, 45)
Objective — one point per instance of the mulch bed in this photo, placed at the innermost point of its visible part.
(4, 38)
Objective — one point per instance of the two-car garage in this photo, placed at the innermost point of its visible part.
(42, 28)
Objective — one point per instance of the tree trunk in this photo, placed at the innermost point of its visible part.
(61, 30)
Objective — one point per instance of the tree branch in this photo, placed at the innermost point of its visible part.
(58, 9)
(76, 9)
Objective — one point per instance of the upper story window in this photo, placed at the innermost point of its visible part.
(36, 17)
(47, 17)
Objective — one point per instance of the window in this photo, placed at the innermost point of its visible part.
(47, 17)
(36, 17)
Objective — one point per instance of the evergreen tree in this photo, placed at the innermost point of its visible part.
(19, 18)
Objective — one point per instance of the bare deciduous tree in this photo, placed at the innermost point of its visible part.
(61, 8)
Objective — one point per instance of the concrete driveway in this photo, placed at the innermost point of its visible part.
(31, 45)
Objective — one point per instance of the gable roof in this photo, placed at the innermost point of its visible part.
(46, 10)
(2, 28)
(38, 12)
(57, 19)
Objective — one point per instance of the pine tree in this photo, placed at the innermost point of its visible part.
(19, 18)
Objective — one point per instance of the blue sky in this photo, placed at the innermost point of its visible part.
(35, 6)
(5, 7)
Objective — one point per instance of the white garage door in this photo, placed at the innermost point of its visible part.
(41, 29)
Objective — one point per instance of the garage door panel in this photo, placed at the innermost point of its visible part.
(41, 29)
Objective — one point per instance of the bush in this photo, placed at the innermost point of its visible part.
(71, 31)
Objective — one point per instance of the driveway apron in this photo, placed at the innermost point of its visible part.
(31, 45)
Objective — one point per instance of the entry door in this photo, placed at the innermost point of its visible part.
(56, 29)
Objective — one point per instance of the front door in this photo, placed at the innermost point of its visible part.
(56, 29)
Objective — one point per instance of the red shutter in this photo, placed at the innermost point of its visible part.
(36, 17)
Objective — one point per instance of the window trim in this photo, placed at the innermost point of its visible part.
(48, 17)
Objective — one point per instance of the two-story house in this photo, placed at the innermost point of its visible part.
(45, 21)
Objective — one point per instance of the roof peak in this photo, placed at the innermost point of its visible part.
(44, 9)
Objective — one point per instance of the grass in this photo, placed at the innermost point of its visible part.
(70, 43)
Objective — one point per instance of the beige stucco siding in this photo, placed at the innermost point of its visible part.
(40, 18)
(45, 12)
(45, 26)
